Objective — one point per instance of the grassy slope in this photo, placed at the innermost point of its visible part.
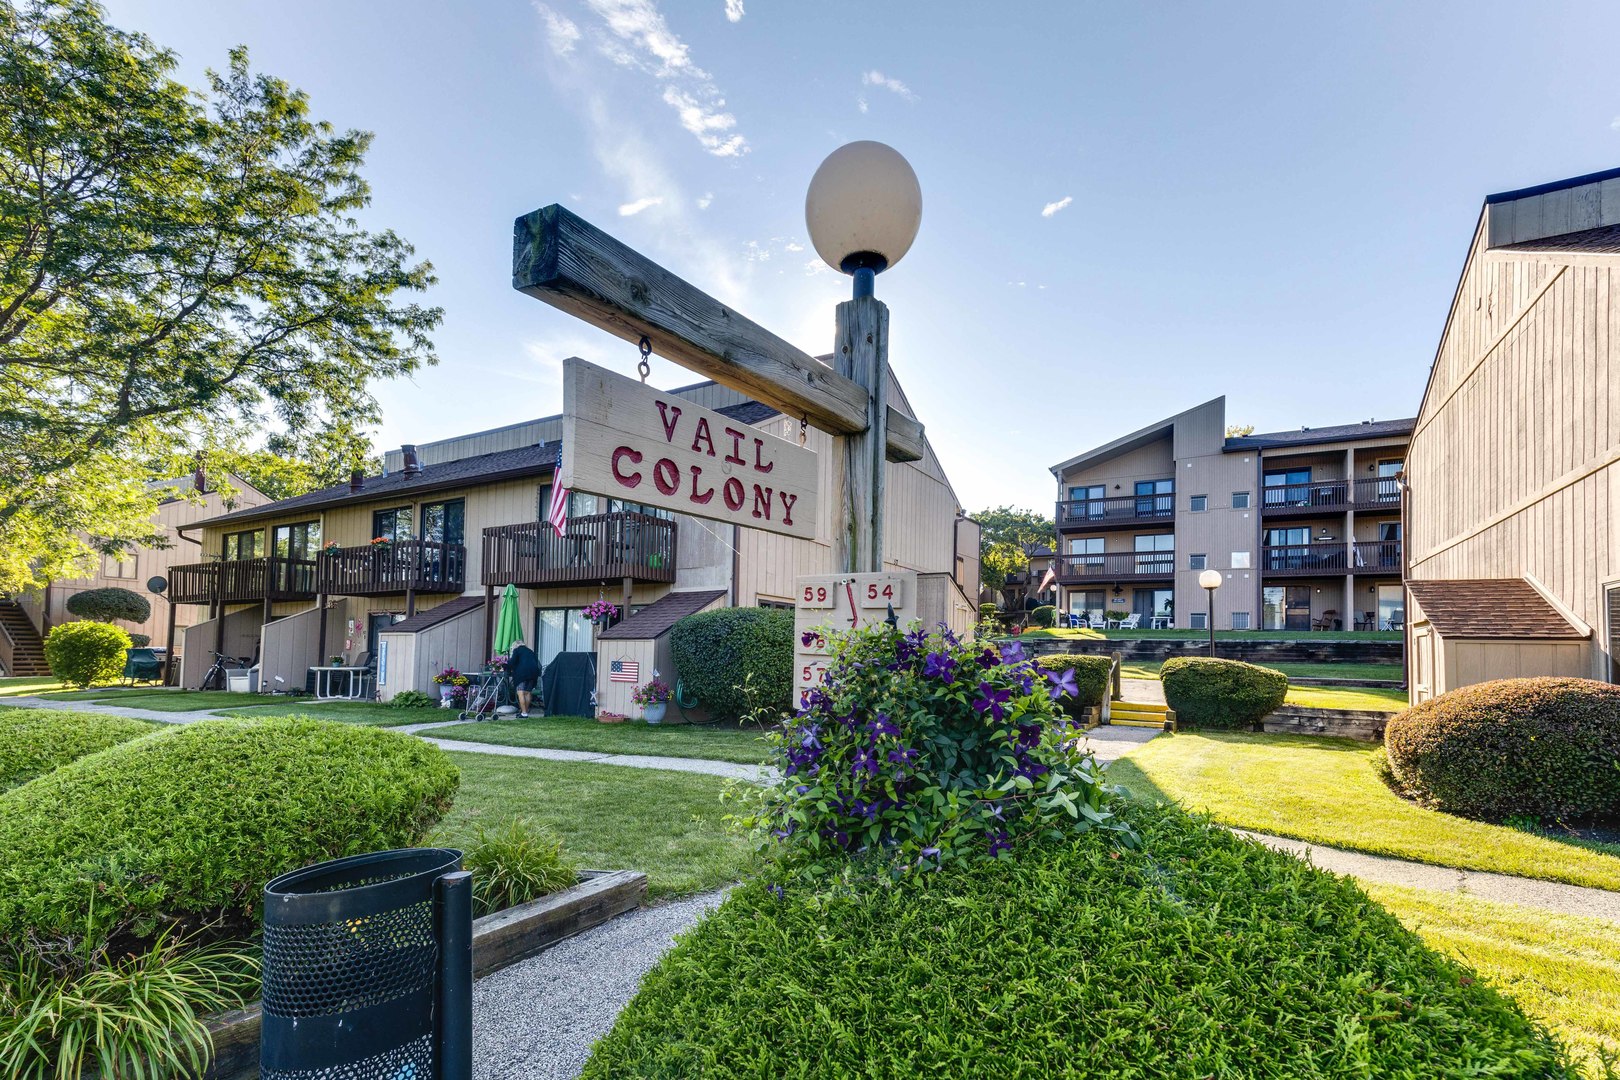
(1562, 969)
(1324, 791)
(667, 824)
(1371, 699)
(719, 743)
(1220, 635)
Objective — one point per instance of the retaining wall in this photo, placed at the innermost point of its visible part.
(1259, 651)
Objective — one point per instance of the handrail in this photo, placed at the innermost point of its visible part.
(1111, 564)
(404, 565)
(598, 546)
(8, 651)
(1072, 512)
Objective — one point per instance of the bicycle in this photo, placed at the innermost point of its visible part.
(215, 679)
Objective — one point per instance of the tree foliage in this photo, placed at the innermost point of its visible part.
(1236, 430)
(110, 605)
(168, 257)
(1006, 537)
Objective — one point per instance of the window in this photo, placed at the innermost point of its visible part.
(1391, 607)
(1155, 553)
(1199, 503)
(1240, 560)
(1086, 545)
(1089, 604)
(1155, 498)
(114, 567)
(299, 541)
(1285, 607)
(1240, 500)
(1198, 620)
(1198, 562)
(1093, 491)
(1240, 620)
(445, 522)
(1286, 487)
(248, 544)
(393, 524)
(1388, 489)
(559, 630)
(781, 605)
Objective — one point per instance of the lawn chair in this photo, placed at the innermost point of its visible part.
(1131, 622)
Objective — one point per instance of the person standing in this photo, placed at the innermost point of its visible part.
(524, 668)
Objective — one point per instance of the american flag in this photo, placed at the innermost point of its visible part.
(558, 515)
(624, 671)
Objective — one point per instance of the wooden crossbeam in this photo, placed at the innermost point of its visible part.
(564, 260)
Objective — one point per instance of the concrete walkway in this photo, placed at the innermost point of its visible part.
(730, 769)
(111, 710)
(1142, 691)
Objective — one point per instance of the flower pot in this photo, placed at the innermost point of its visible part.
(447, 693)
(655, 713)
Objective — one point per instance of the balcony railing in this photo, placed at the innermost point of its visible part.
(598, 547)
(1116, 566)
(1380, 492)
(1124, 510)
(1324, 496)
(405, 566)
(1329, 559)
(243, 581)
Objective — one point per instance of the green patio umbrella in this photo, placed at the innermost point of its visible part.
(508, 625)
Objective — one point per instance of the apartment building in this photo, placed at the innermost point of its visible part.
(1304, 525)
(403, 569)
(1514, 471)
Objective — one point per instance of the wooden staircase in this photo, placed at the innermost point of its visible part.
(27, 652)
(1142, 714)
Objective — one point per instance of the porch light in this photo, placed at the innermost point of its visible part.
(862, 210)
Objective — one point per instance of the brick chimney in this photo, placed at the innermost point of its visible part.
(357, 480)
(412, 464)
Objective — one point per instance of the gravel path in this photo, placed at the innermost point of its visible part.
(536, 1020)
(634, 761)
(1109, 742)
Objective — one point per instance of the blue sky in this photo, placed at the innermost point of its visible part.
(1128, 209)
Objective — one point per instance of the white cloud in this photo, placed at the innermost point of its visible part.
(631, 209)
(642, 39)
(860, 103)
(1053, 207)
(1614, 125)
(877, 78)
(561, 31)
(734, 10)
(704, 200)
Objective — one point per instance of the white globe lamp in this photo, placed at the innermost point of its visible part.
(1211, 580)
(862, 210)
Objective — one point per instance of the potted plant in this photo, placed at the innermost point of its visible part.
(653, 697)
(331, 547)
(452, 687)
(381, 543)
(601, 612)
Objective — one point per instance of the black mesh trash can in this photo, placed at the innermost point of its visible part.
(368, 969)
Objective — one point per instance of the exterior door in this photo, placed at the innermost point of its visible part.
(1155, 498)
(1388, 490)
(1285, 607)
(1391, 607)
(1156, 554)
(1613, 608)
(1282, 549)
(1286, 486)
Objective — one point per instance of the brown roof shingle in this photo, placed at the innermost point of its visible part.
(657, 618)
(435, 615)
(1490, 608)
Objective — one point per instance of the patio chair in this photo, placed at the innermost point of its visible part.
(142, 665)
(1131, 622)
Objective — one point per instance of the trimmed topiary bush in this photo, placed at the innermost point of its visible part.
(1201, 954)
(176, 831)
(1221, 694)
(110, 605)
(84, 653)
(140, 641)
(1045, 615)
(35, 741)
(1543, 747)
(716, 652)
(1090, 677)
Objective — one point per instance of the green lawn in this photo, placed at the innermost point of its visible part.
(1562, 969)
(1149, 669)
(1220, 635)
(1325, 791)
(667, 824)
(720, 742)
(28, 685)
(1369, 698)
(348, 712)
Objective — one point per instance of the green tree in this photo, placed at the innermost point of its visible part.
(287, 464)
(166, 258)
(1006, 538)
(1235, 430)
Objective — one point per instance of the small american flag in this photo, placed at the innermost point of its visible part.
(558, 516)
(624, 671)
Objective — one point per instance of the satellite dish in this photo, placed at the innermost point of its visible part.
(157, 584)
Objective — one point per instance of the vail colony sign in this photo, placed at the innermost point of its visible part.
(627, 440)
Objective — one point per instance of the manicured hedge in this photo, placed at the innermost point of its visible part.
(187, 825)
(1221, 694)
(1543, 747)
(1201, 955)
(1090, 675)
(35, 741)
(84, 653)
(716, 650)
(108, 605)
(1045, 615)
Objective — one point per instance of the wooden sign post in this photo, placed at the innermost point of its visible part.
(629, 440)
(826, 603)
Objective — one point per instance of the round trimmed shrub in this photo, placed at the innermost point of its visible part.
(1221, 694)
(1044, 615)
(140, 641)
(1090, 677)
(1225, 951)
(84, 653)
(110, 605)
(35, 741)
(716, 652)
(184, 828)
(1546, 747)
(988, 611)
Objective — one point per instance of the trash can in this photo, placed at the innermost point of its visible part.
(368, 969)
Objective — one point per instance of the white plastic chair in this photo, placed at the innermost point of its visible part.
(1131, 622)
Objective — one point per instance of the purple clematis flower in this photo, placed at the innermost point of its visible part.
(1064, 684)
(941, 666)
(881, 725)
(998, 842)
(989, 659)
(991, 700)
(774, 890)
(1013, 653)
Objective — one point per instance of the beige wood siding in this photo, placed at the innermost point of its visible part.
(1515, 464)
(413, 659)
(197, 644)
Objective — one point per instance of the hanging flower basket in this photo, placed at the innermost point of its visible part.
(601, 612)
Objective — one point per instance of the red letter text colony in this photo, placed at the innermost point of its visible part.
(728, 445)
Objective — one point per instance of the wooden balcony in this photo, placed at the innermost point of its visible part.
(405, 566)
(1331, 559)
(598, 548)
(1116, 566)
(242, 581)
(1079, 515)
(1378, 494)
(1302, 500)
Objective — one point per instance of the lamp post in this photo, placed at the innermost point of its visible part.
(1211, 580)
(862, 211)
